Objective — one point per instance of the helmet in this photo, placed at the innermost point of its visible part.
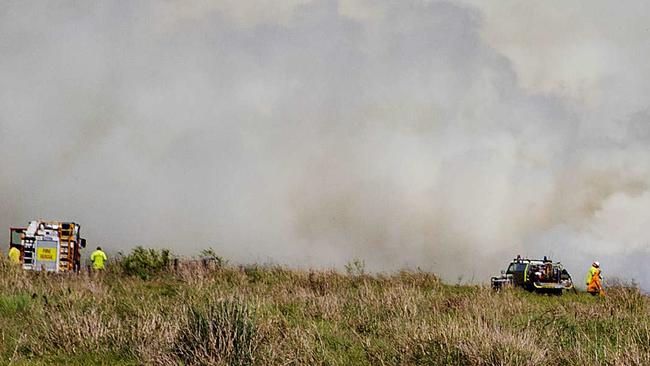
(596, 264)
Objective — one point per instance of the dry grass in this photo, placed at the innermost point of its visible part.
(273, 316)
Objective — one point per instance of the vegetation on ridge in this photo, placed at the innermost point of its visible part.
(143, 310)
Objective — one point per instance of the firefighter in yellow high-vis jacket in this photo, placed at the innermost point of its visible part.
(98, 258)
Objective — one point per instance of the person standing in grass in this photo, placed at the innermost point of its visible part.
(98, 258)
(14, 255)
(594, 280)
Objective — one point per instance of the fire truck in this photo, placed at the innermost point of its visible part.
(535, 275)
(51, 246)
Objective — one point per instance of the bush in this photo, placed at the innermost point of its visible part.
(210, 255)
(355, 267)
(145, 263)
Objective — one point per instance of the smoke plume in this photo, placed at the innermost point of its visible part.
(407, 134)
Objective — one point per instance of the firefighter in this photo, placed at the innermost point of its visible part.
(98, 258)
(594, 280)
(14, 255)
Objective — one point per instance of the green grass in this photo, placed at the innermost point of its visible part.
(89, 358)
(149, 313)
(12, 305)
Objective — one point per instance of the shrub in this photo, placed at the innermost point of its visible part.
(145, 263)
(355, 267)
(210, 255)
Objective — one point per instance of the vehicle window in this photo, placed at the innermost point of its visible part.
(520, 267)
(511, 269)
(15, 237)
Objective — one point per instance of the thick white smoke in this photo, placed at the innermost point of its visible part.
(312, 133)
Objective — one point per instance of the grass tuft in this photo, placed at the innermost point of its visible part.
(221, 333)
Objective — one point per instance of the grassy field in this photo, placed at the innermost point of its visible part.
(143, 311)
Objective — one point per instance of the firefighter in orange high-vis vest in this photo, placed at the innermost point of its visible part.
(594, 280)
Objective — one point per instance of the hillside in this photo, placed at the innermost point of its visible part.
(147, 312)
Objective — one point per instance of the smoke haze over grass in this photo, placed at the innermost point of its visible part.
(404, 133)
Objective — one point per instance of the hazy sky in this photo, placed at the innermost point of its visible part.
(449, 136)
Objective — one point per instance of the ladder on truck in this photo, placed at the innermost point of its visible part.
(67, 240)
(29, 244)
(29, 255)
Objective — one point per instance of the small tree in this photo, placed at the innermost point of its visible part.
(145, 263)
(210, 255)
